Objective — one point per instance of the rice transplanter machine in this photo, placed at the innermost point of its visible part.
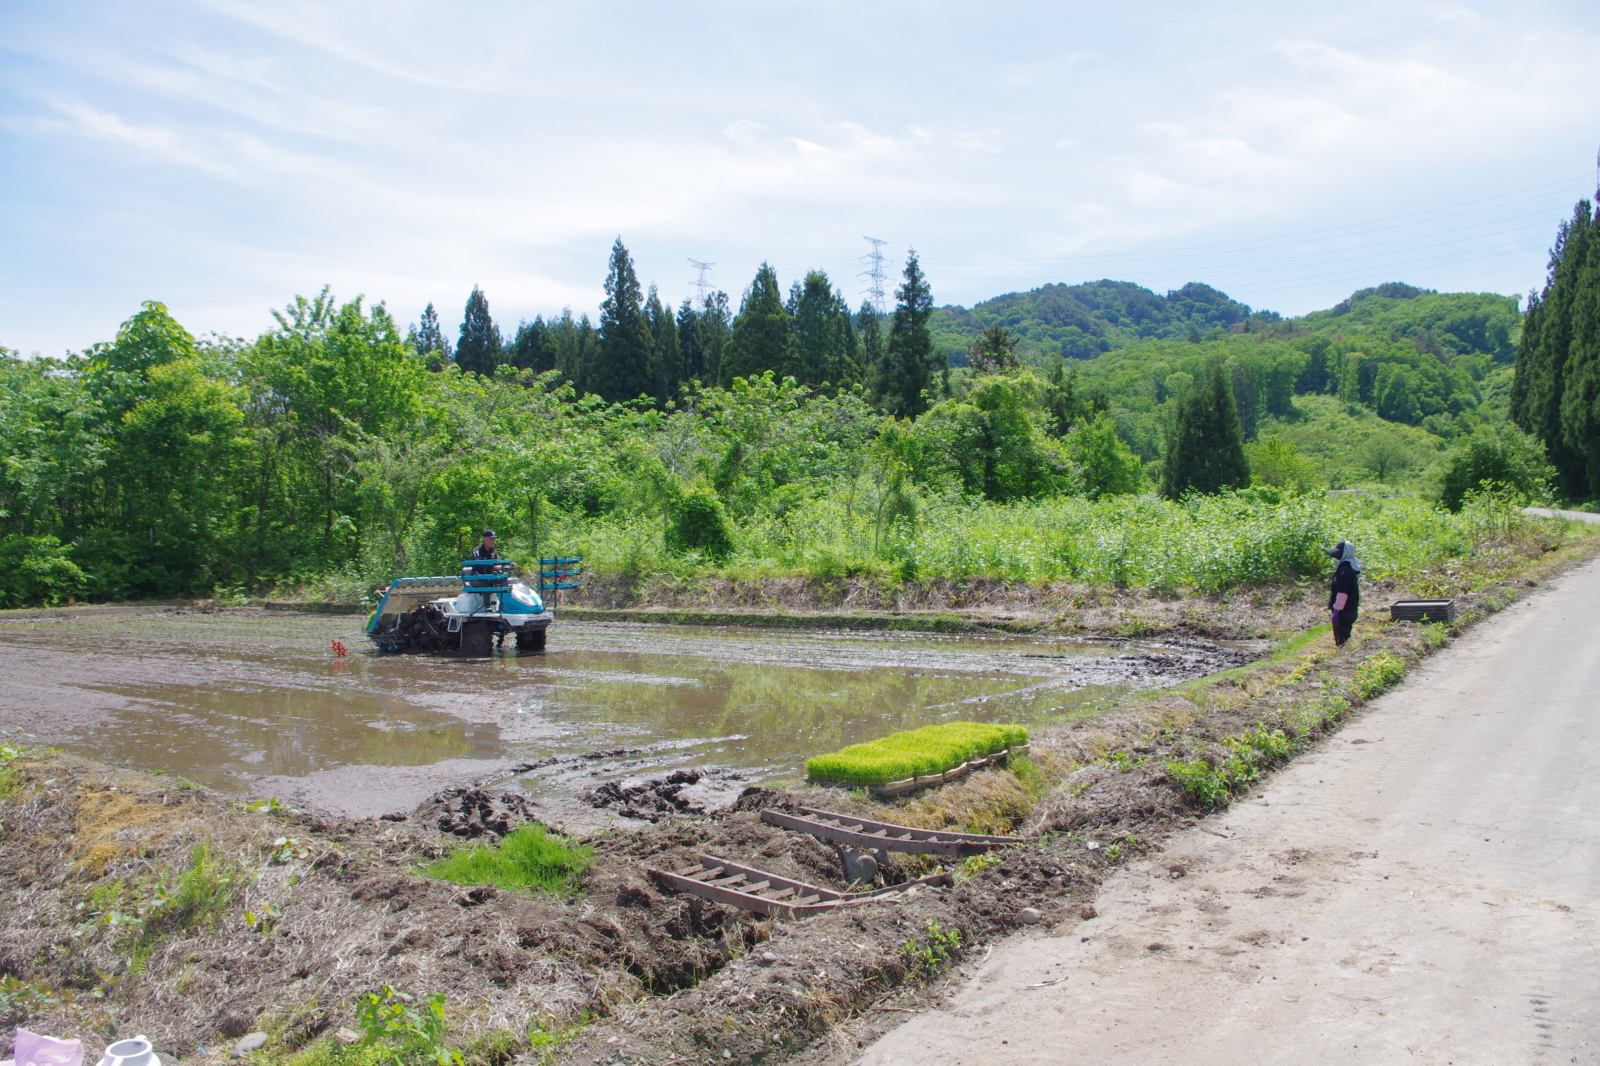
(467, 615)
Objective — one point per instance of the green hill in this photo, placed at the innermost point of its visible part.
(1082, 321)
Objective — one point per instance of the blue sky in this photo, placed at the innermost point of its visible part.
(223, 156)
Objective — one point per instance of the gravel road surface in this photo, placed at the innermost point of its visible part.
(1422, 888)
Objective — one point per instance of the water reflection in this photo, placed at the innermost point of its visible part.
(227, 698)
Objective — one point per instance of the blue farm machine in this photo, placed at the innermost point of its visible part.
(470, 615)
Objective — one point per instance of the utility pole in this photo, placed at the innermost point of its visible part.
(702, 281)
(874, 272)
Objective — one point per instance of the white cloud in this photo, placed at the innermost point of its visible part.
(224, 154)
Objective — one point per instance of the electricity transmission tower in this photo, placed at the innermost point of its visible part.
(874, 272)
(702, 281)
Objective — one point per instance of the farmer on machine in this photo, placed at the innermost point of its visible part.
(1344, 594)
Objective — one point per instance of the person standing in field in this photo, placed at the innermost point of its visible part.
(1344, 593)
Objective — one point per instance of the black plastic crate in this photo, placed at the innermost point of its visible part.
(1423, 611)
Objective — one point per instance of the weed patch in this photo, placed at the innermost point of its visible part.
(931, 955)
(529, 857)
(1380, 672)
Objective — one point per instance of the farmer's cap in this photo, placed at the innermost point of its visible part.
(1337, 551)
(488, 533)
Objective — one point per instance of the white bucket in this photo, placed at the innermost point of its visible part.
(134, 1052)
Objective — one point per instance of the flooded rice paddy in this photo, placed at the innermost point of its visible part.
(256, 702)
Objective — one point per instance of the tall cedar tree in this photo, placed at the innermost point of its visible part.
(431, 342)
(763, 334)
(1555, 395)
(1205, 452)
(994, 352)
(869, 333)
(480, 348)
(690, 357)
(668, 359)
(573, 344)
(532, 349)
(911, 358)
(825, 340)
(624, 368)
(1246, 398)
(713, 328)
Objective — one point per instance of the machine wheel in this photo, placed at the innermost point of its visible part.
(477, 640)
(530, 639)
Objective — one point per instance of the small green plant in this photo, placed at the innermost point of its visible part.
(1122, 762)
(1261, 745)
(271, 805)
(288, 849)
(914, 753)
(1131, 625)
(529, 857)
(1381, 671)
(9, 777)
(973, 865)
(265, 920)
(930, 956)
(1205, 784)
(21, 999)
(401, 1035)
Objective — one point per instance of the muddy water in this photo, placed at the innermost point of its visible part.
(256, 702)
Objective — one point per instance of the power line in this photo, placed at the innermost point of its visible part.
(874, 272)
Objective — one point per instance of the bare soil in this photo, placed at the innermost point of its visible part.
(318, 911)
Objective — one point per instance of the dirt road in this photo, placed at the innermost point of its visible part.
(1424, 888)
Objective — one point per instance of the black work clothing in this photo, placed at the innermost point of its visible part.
(480, 552)
(1347, 581)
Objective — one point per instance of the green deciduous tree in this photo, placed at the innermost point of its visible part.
(991, 442)
(1278, 463)
(1205, 448)
(1103, 464)
(1493, 457)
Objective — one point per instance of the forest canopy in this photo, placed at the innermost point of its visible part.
(782, 430)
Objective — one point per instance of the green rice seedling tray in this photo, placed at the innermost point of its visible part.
(918, 758)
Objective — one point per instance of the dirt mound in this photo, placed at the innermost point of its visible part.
(472, 812)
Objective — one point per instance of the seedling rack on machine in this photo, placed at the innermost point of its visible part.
(563, 573)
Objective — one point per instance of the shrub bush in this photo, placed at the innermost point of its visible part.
(914, 753)
(37, 571)
(698, 523)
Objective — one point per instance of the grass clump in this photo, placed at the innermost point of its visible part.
(529, 857)
(914, 753)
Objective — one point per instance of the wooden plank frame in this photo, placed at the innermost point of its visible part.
(868, 835)
(747, 888)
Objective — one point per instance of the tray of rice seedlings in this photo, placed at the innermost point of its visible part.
(918, 758)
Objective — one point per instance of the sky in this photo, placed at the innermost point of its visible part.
(222, 156)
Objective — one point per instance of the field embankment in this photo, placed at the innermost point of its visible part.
(139, 905)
